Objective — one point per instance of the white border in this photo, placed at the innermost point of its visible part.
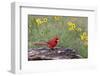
(19, 39)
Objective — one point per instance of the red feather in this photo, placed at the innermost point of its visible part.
(53, 42)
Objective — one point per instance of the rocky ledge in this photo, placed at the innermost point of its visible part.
(52, 54)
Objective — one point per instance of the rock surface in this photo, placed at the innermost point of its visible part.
(52, 54)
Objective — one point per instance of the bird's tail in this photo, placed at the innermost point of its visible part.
(39, 43)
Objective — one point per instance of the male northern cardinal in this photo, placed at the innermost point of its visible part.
(51, 43)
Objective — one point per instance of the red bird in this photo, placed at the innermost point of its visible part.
(51, 43)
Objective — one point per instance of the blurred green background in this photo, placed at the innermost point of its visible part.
(73, 31)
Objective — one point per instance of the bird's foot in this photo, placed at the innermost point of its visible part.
(52, 49)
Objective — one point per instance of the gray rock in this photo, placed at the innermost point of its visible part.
(52, 54)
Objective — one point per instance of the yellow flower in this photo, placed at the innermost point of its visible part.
(69, 23)
(57, 17)
(79, 29)
(72, 26)
(84, 36)
(45, 19)
(38, 21)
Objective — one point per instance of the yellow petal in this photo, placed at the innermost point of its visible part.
(45, 20)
